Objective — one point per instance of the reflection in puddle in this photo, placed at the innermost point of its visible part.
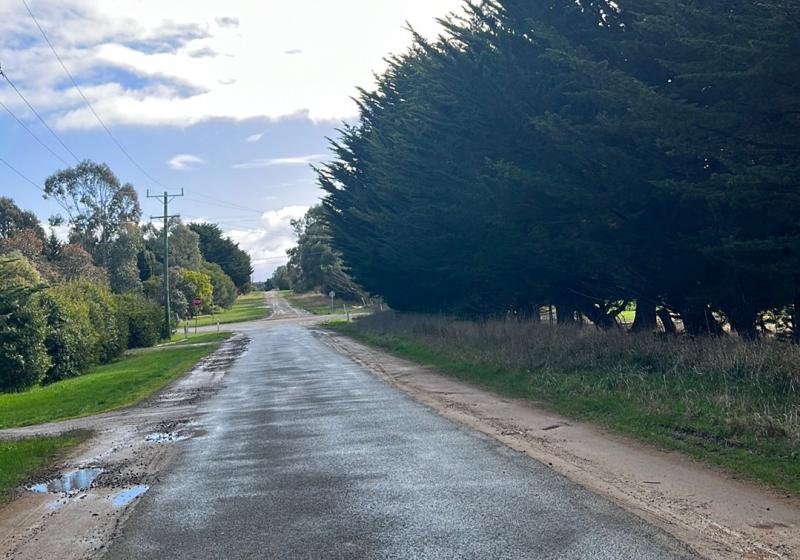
(70, 482)
(126, 497)
(171, 437)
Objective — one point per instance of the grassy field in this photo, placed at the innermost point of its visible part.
(19, 459)
(320, 304)
(735, 405)
(107, 387)
(178, 339)
(249, 307)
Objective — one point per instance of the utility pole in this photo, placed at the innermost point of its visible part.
(167, 198)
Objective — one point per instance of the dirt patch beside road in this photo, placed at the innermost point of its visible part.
(130, 447)
(717, 516)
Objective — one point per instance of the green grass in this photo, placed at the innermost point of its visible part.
(249, 307)
(104, 388)
(178, 339)
(20, 459)
(628, 316)
(724, 402)
(320, 304)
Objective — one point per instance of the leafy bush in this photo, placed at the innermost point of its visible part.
(154, 290)
(194, 284)
(224, 289)
(23, 355)
(69, 336)
(91, 307)
(140, 319)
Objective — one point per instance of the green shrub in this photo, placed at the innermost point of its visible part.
(91, 333)
(140, 319)
(194, 284)
(69, 338)
(224, 293)
(23, 355)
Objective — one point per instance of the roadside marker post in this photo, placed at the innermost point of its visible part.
(332, 295)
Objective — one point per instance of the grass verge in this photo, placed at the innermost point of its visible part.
(178, 339)
(116, 385)
(249, 307)
(732, 404)
(20, 459)
(320, 304)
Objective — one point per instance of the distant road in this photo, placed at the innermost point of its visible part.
(308, 455)
(282, 309)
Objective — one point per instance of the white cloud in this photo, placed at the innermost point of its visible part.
(185, 161)
(254, 137)
(274, 162)
(268, 242)
(149, 62)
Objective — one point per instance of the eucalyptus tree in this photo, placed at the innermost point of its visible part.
(102, 214)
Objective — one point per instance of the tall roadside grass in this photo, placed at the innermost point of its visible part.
(732, 403)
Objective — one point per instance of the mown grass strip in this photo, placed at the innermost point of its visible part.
(20, 459)
(320, 304)
(249, 307)
(178, 339)
(104, 388)
(680, 410)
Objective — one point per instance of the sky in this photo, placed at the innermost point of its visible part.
(231, 101)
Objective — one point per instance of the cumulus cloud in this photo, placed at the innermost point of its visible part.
(274, 162)
(268, 242)
(185, 161)
(190, 63)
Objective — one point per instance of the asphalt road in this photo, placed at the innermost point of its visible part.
(308, 455)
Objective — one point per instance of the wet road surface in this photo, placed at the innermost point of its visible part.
(307, 455)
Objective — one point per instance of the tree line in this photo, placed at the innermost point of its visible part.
(314, 264)
(590, 155)
(66, 306)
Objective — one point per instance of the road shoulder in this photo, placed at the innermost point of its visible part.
(130, 447)
(715, 515)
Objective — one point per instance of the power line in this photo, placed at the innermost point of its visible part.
(88, 104)
(227, 203)
(32, 182)
(222, 203)
(23, 125)
(38, 116)
(18, 172)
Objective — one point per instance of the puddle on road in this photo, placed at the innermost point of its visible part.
(165, 437)
(73, 481)
(126, 497)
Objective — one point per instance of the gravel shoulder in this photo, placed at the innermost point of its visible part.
(719, 517)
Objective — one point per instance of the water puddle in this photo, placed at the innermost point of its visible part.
(126, 497)
(165, 437)
(74, 481)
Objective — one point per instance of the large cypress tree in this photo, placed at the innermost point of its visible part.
(584, 154)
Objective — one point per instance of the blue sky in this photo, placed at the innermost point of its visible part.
(230, 101)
